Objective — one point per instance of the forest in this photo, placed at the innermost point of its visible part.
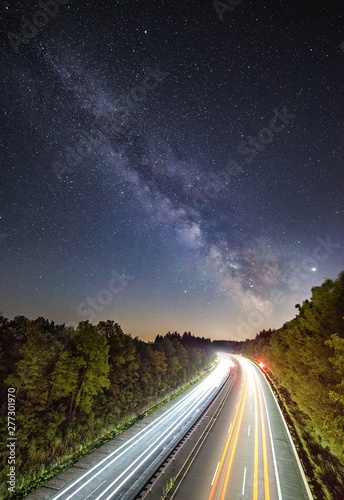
(306, 359)
(74, 387)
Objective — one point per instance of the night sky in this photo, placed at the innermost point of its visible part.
(170, 165)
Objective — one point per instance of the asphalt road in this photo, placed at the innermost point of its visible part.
(249, 453)
(123, 471)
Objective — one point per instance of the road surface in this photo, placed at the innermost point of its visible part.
(249, 453)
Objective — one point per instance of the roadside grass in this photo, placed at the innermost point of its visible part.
(167, 488)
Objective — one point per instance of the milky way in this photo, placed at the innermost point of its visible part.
(202, 158)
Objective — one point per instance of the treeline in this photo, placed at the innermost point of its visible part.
(306, 357)
(232, 346)
(76, 385)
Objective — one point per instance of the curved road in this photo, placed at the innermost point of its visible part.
(249, 453)
(122, 472)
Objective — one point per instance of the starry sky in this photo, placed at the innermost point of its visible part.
(170, 165)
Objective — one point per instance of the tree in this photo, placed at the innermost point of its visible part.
(93, 350)
(337, 361)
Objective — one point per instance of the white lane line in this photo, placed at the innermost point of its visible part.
(215, 474)
(88, 496)
(230, 427)
(236, 406)
(278, 484)
(249, 430)
(151, 439)
(310, 496)
(243, 483)
(251, 407)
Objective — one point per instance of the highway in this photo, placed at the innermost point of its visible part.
(249, 453)
(122, 473)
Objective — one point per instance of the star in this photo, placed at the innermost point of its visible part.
(197, 169)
